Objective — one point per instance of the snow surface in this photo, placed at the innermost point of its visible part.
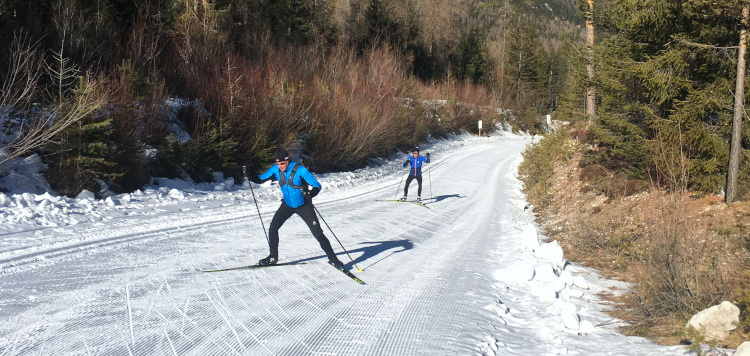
(470, 275)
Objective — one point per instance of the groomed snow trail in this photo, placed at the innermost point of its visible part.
(133, 286)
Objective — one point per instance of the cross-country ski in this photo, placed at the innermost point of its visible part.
(404, 201)
(348, 273)
(253, 266)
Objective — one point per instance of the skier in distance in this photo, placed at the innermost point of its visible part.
(415, 172)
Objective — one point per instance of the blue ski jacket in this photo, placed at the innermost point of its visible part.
(415, 164)
(292, 195)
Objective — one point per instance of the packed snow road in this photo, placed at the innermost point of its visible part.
(466, 275)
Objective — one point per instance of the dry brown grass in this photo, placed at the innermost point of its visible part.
(682, 253)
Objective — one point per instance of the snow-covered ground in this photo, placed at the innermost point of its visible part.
(470, 275)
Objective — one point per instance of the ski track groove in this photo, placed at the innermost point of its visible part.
(199, 326)
(192, 322)
(46, 254)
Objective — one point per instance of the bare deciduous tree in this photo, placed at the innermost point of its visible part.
(19, 86)
(33, 123)
(20, 80)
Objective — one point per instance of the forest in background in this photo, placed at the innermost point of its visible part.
(188, 88)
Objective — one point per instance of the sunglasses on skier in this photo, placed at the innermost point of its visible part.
(281, 163)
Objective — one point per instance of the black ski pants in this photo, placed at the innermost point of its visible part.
(408, 181)
(307, 213)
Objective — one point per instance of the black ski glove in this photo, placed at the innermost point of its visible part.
(311, 193)
(427, 154)
(254, 178)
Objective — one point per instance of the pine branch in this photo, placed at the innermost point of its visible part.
(700, 45)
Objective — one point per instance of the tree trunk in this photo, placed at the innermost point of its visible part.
(739, 106)
(590, 91)
(432, 26)
(502, 49)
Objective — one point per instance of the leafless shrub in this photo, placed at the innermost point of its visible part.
(466, 104)
(683, 271)
(622, 187)
(78, 32)
(72, 97)
(364, 104)
(137, 119)
(591, 236)
(671, 161)
(145, 44)
(593, 173)
(19, 84)
(584, 135)
(200, 42)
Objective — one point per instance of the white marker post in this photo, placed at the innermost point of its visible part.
(549, 122)
(480, 127)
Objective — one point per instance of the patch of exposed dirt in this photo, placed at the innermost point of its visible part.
(624, 237)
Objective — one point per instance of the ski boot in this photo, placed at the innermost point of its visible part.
(419, 200)
(336, 263)
(268, 261)
(403, 198)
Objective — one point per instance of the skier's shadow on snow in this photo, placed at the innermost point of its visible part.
(379, 247)
(374, 249)
(443, 197)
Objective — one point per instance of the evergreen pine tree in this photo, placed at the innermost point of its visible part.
(301, 21)
(666, 74)
(380, 28)
(527, 72)
(83, 157)
(470, 60)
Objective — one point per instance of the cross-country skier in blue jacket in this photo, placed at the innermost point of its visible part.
(294, 179)
(415, 172)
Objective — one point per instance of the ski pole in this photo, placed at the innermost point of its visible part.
(429, 178)
(244, 172)
(399, 184)
(337, 239)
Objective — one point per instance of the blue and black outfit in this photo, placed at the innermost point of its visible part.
(415, 172)
(294, 182)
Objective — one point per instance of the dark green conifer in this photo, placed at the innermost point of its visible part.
(470, 60)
